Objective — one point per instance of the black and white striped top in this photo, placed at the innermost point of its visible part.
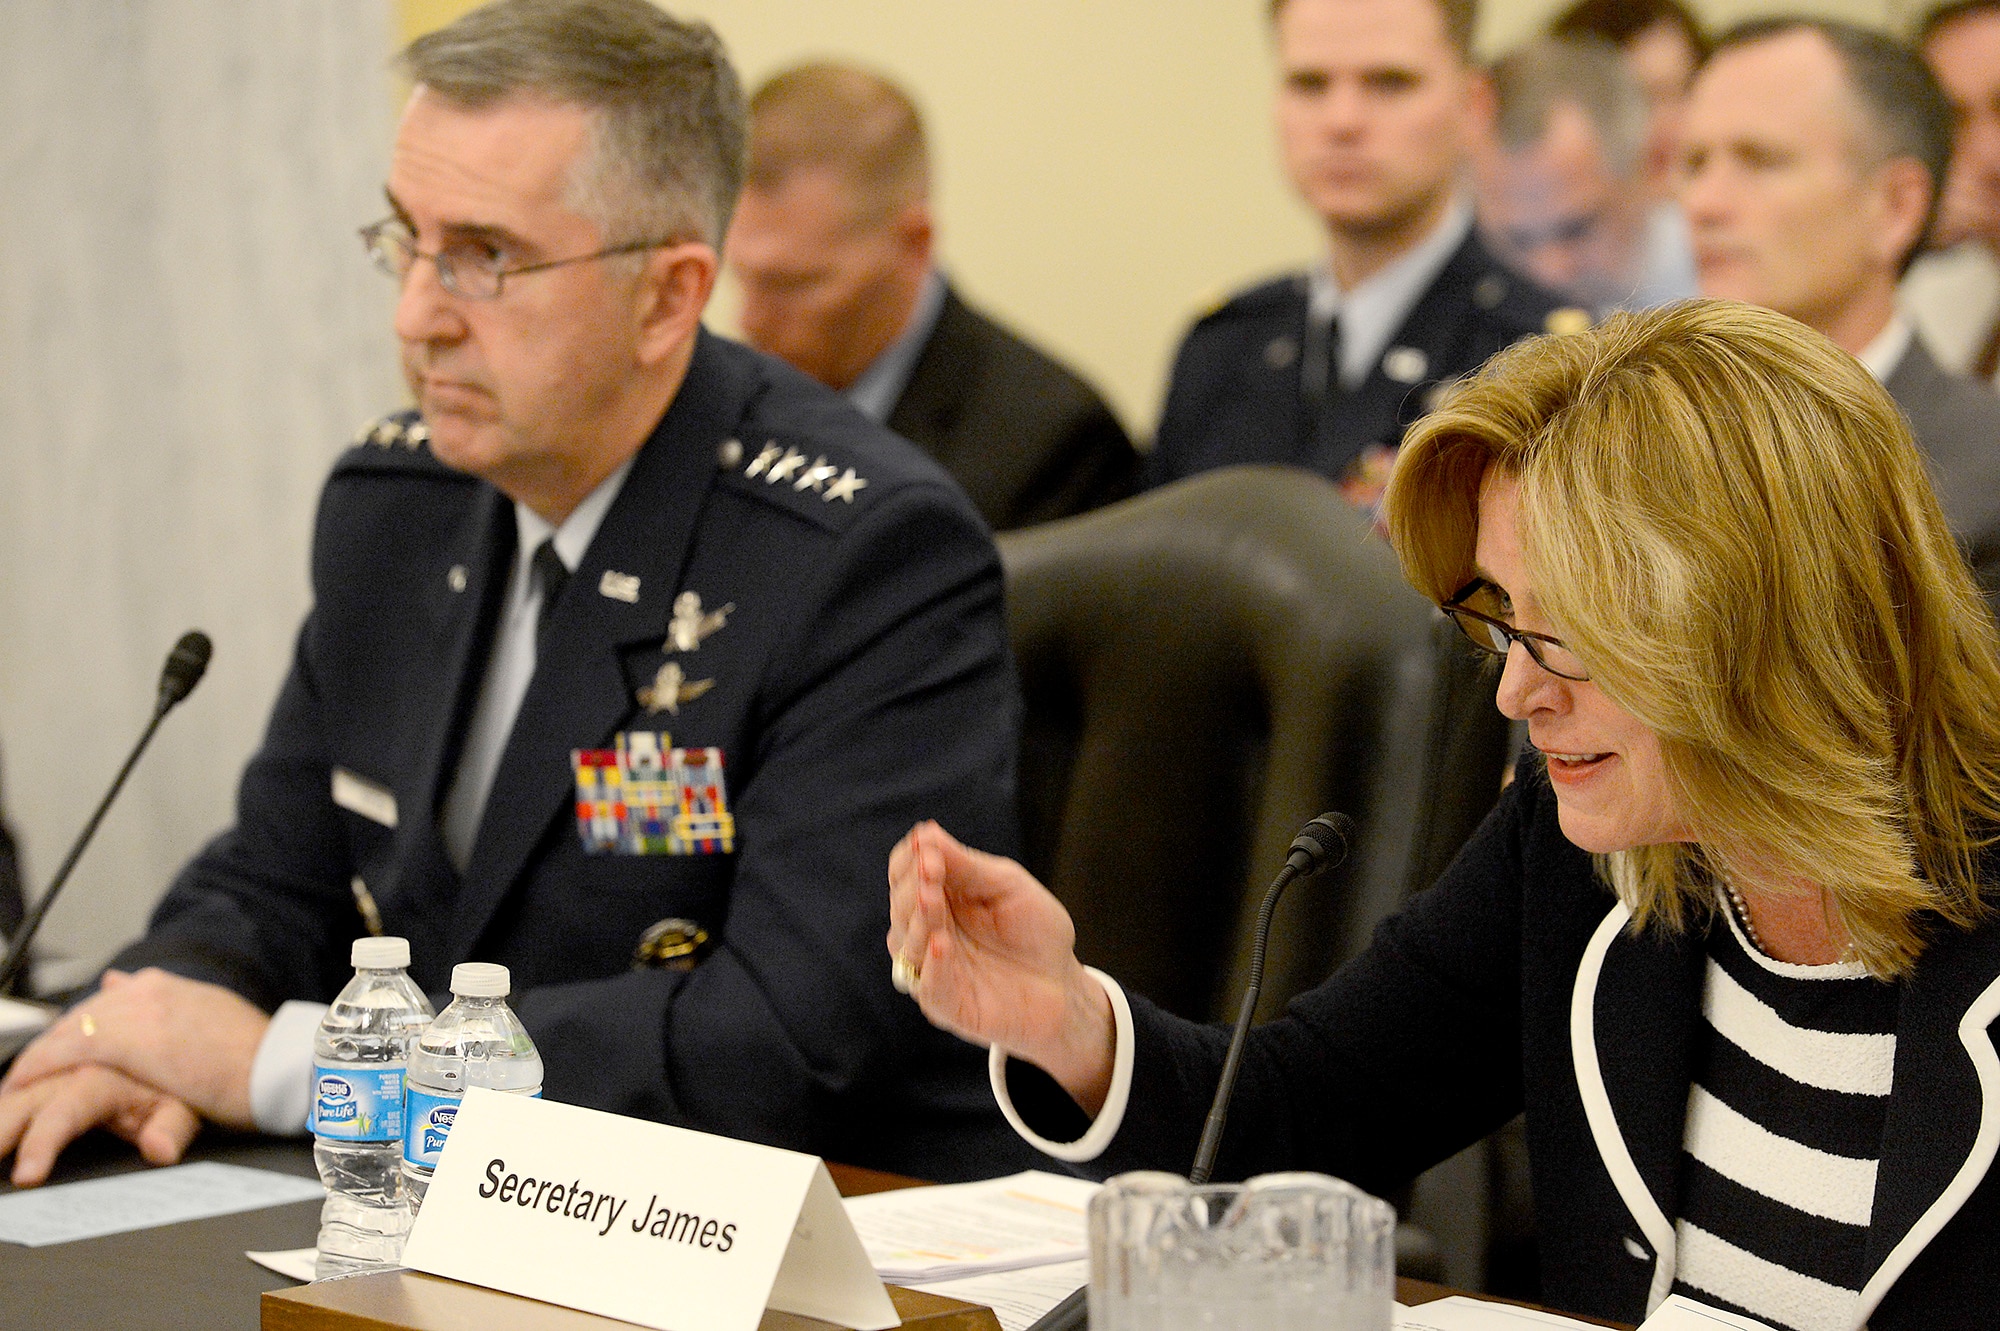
(1784, 1130)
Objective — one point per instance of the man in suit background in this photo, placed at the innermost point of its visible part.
(1324, 370)
(1662, 44)
(610, 545)
(1813, 153)
(833, 247)
(1561, 180)
(1953, 293)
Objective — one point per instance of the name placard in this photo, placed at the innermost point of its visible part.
(673, 1229)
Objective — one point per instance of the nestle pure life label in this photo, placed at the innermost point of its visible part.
(357, 1102)
(427, 1122)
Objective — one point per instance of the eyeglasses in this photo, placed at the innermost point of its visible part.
(1495, 636)
(470, 268)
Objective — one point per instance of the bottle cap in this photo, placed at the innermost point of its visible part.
(380, 954)
(480, 979)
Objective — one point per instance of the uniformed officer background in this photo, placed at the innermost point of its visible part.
(189, 333)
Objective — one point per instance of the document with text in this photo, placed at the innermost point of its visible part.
(964, 1229)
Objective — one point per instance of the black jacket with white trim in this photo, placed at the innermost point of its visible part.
(1516, 984)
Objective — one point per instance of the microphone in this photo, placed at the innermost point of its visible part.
(186, 664)
(1320, 844)
(182, 671)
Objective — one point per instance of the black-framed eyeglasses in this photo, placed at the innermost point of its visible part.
(469, 268)
(1495, 636)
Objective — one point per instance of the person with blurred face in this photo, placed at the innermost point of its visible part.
(832, 249)
(1326, 369)
(1728, 941)
(1810, 170)
(1662, 44)
(1560, 185)
(1953, 294)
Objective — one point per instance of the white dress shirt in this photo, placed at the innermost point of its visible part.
(881, 385)
(1378, 307)
(281, 1075)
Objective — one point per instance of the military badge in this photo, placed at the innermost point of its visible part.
(670, 688)
(690, 624)
(1406, 365)
(643, 797)
(1569, 319)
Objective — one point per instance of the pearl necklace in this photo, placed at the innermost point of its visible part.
(1743, 916)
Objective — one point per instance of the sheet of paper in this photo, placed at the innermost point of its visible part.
(1458, 1313)
(66, 1212)
(1020, 1297)
(960, 1229)
(1680, 1313)
(291, 1263)
(21, 1022)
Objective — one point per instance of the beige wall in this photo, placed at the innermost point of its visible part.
(1106, 167)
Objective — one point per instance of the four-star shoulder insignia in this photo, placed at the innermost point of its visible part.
(394, 432)
(776, 462)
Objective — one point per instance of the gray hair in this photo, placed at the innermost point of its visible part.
(667, 112)
(1585, 72)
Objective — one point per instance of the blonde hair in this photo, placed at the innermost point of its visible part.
(1727, 518)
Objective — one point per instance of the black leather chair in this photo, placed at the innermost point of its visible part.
(1206, 667)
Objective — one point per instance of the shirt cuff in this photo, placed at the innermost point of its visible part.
(1092, 1143)
(281, 1077)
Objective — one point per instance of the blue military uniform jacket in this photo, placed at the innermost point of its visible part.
(1239, 392)
(859, 680)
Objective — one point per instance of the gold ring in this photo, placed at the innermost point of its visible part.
(89, 1024)
(902, 974)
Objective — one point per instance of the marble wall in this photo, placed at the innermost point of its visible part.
(188, 334)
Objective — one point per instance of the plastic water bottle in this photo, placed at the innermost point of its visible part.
(359, 1055)
(476, 1041)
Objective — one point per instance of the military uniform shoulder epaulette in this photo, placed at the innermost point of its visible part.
(820, 482)
(1522, 308)
(1277, 296)
(399, 441)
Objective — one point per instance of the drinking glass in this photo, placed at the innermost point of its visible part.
(1282, 1252)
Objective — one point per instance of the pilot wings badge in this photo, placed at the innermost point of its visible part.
(690, 625)
(670, 688)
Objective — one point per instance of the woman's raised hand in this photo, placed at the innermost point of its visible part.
(988, 953)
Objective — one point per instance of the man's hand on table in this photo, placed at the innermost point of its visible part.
(37, 1122)
(147, 1056)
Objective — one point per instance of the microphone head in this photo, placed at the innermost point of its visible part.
(1321, 843)
(184, 668)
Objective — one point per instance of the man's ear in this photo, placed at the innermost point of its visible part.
(673, 290)
(915, 233)
(1482, 108)
(1903, 191)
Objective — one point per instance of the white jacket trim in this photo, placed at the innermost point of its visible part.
(1638, 1198)
(1972, 1033)
(1105, 1126)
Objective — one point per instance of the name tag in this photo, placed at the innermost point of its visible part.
(357, 794)
(668, 1228)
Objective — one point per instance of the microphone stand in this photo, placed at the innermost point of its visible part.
(1321, 844)
(184, 668)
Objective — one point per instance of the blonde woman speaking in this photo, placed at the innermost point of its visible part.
(1728, 940)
